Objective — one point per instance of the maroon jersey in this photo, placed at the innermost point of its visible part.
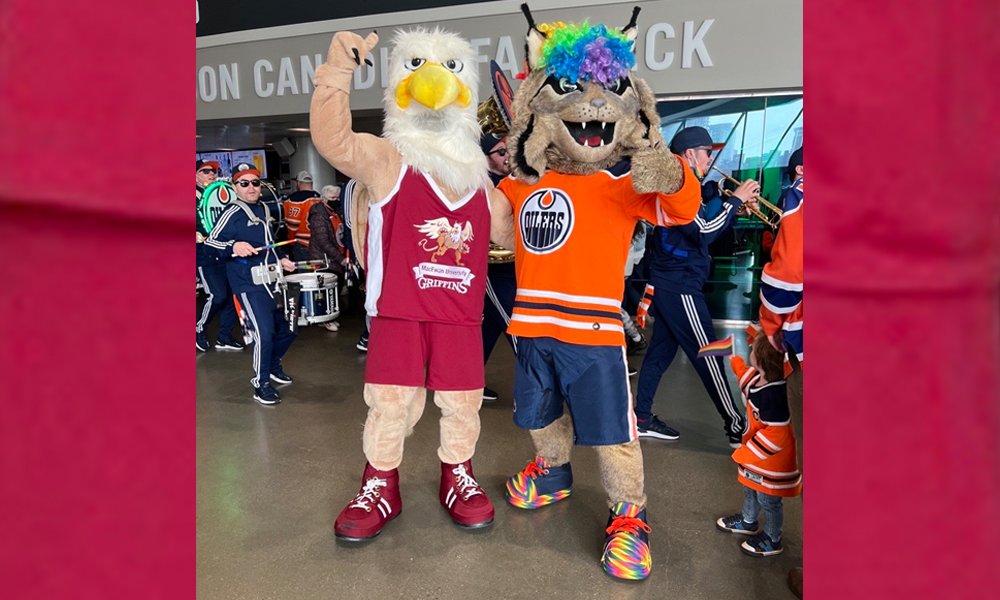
(426, 258)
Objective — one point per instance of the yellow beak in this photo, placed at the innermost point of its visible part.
(433, 86)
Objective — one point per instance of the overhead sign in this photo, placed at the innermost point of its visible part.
(710, 46)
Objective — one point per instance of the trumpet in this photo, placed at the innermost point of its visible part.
(773, 224)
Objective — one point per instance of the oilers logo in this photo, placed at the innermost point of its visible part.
(546, 221)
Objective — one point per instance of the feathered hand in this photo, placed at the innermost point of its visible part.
(347, 51)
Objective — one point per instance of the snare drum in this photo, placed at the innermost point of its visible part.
(318, 301)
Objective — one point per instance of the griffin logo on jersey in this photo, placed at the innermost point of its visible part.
(546, 220)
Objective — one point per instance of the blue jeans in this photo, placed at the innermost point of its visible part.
(774, 514)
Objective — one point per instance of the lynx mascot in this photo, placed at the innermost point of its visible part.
(575, 201)
(428, 233)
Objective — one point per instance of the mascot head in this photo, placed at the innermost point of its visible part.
(579, 110)
(430, 107)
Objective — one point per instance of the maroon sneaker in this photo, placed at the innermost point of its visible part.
(376, 504)
(466, 502)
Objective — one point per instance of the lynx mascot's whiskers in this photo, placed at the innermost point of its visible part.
(427, 222)
(588, 161)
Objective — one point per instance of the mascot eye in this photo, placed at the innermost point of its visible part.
(619, 86)
(415, 63)
(564, 86)
(453, 65)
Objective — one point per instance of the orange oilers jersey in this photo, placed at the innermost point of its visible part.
(297, 219)
(573, 234)
(767, 459)
(781, 281)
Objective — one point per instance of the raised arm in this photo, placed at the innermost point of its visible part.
(502, 220)
(369, 159)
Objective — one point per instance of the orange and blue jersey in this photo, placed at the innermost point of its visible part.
(296, 209)
(573, 234)
(767, 459)
(781, 281)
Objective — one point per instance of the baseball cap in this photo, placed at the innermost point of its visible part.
(488, 141)
(244, 169)
(304, 177)
(692, 137)
(199, 164)
(795, 160)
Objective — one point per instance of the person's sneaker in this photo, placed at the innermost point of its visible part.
(201, 343)
(736, 524)
(377, 503)
(540, 484)
(633, 346)
(266, 394)
(735, 440)
(228, 345)
(655, 428)
(761, 545)
(632, 371)
(332, 326)
(362, 344)
(626, 547)
(466, 502)
(489, 395)
(279, 376)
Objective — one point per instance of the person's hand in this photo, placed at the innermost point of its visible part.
(243, 249)
(345, 262)
(287, 265)
(776, 341)
(747, 190)
(198, 238)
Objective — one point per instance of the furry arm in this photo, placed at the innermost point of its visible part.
(369, 159)
(501, 220)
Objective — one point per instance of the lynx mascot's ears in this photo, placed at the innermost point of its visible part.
(580, 110)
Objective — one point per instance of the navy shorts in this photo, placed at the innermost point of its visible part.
(591, 380)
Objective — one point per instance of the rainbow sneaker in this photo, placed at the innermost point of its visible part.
(540, 484)
(626, 549)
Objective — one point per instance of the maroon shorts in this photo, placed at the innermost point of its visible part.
(436, 356)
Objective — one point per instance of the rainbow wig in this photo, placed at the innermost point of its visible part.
(582, 52)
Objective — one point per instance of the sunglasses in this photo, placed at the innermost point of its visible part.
(207, 171)
(245, 183)
(501, 152)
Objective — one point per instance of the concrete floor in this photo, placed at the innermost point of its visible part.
(271, 481)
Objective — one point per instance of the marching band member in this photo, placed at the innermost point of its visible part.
(242, 234)
(212, 274)
(781, 281)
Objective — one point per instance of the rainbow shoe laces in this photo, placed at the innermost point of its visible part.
(540, 484)
(626, 549)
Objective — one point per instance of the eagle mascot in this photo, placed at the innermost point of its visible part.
(424, 226)
(587, 163)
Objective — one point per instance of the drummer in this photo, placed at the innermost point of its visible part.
(239, 235)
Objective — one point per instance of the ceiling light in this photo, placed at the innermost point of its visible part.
(299, 129)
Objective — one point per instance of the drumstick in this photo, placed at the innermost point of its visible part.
(269, 246)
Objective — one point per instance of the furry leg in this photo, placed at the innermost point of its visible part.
(459, 424)
(621, 470)
(387, 423)
(554, 441)
(416, 410)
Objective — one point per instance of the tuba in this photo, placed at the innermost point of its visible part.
(490, 118)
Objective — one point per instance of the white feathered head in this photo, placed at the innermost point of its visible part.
(430, 107)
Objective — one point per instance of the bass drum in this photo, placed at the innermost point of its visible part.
(214, 200)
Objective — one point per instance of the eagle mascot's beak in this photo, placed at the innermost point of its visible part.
(433, 86)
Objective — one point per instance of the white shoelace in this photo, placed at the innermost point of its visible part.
(368, 493)
(465, 483)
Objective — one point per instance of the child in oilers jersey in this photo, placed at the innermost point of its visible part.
(768, 466)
